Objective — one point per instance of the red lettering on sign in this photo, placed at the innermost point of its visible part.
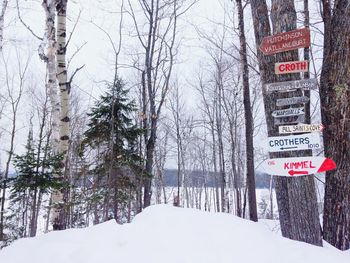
(291, 67)
(304, 65)
(306, 164)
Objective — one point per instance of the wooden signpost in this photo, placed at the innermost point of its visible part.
(304, 84)
(291, 67)
(301, 128)
(288, 112)
(290, 120)
(294, 142)
(290, 40)
(292, 101)
(297, 166)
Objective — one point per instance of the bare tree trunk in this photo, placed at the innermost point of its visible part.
(293, 194)
(49, 57)
(64, 127)
(230, 108)
(33, 209)
(217, 190)
(249, 126)
(335, 111)
(2, 20)
(307, 58)
(222, 174)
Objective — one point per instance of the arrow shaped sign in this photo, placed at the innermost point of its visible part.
(290, 40)
(294, 142)
(297, 166)
(288, 112)
(301, 128)
(291, 101)
(304, 84)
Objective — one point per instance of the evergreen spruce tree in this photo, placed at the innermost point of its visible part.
(34, 178)
(112, 135)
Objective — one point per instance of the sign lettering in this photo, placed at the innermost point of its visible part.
(294, 142)
(301, 128)
(282, 42)
(304, 84)
(288, 112)
(290, 119)
(297, 166)
(291, 67)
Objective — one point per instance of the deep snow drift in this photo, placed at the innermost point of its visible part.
(165, 234)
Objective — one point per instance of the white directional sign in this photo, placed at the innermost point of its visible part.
(304, 84)
(297, 166)
(292, 101)
(290, 119)
(294, 142)
(288, 112)
(301, 128)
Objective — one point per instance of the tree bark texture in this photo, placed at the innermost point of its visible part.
(2, 22)
(335, 112)
(307, 58)
(253, 214)
(296, 197)
(64, 129)
(50, 59)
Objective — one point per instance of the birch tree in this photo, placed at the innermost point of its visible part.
(2, 22)
(47, 52)
(64, 86)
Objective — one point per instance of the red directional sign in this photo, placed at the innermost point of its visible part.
(290, 40)
(297, 166)
(291, 67)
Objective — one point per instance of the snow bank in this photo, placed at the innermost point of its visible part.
(165, 234)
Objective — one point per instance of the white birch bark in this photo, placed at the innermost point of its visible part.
(49, 57)
(64, 86)
(2, 20)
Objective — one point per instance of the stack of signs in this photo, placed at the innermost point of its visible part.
(310, 139)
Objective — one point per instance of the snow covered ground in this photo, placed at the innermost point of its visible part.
(165, 234)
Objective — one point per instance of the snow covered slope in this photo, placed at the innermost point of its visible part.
(165, 234)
